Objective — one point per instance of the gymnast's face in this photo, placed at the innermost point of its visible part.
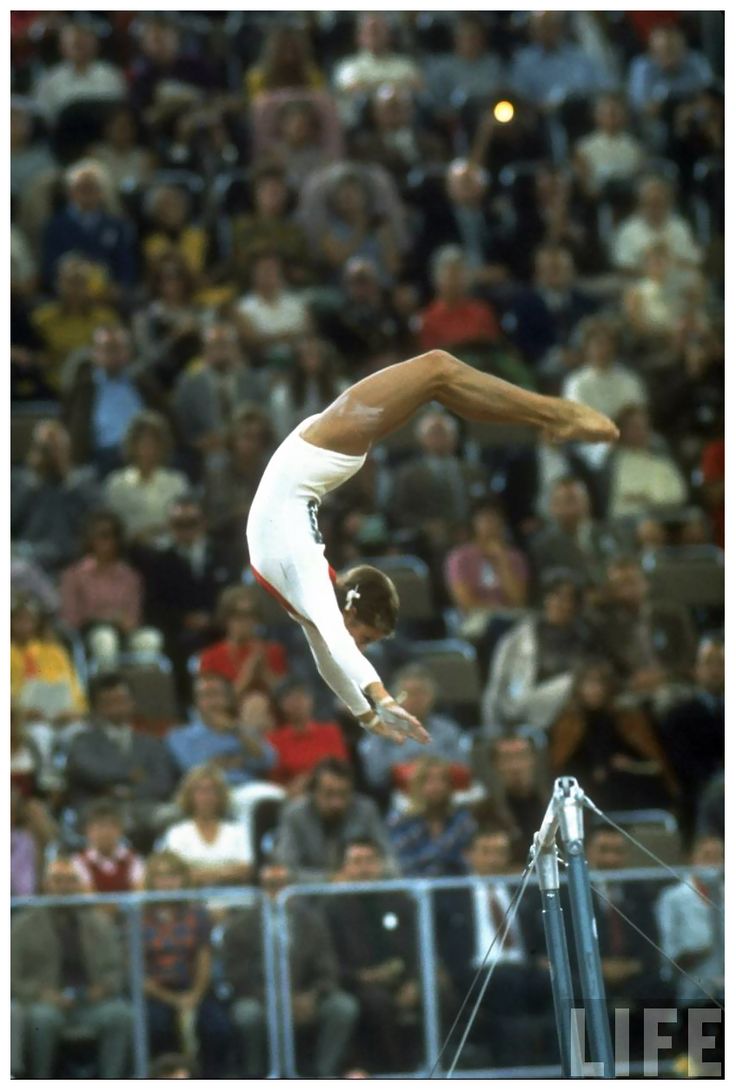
(362, 633)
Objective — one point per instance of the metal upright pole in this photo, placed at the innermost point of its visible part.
(570, 813)
(571, 1053)
(136, 964)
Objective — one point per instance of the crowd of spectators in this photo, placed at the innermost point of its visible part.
(219, 222)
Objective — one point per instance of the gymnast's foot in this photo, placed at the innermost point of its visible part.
(573, 421)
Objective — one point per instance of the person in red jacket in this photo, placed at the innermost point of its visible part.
(454, 317)
(244, 658)
(300, 741)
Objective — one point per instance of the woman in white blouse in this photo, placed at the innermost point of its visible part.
(313, 383)
(141, 492)
(216, 849)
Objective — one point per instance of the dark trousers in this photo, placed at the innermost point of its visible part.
(213, 1033)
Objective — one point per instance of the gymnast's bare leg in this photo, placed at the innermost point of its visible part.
(379, 404)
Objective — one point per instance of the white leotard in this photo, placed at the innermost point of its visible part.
(288, 555)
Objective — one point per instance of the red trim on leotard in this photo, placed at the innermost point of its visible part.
(277, 594)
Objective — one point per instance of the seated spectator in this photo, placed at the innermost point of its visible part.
(467, 922)
(141, 493)
(230, 483)
(472, 71)
(693, 731)
(43, 680)
(206, 396)
(460, 216)
(653, 221)
(516, 792)
(533, 664)
(68, 323)
(430, 839)
(50, 498)
(659, 299)
(104, 396)
(316, 196)
(243, 657)
(667, 73)
(712, 467)
(630, 967)
(688, 930)
(299, 130)
(102, 596)
(615, 751)
(432, 491)
(610, 153)
(374, 63)
(79, 76)
(641, 480)
(30, 158)
(368, 329)
(375, 940)
(488, 573)
(600, 381)
(167, 79)
(384, 765)
(318, 1005)
(545, 315)
(454, 318)
(356, 229)
(181, 1007)
(86, 227)
(314, 829)
(626, 631)
(111, 759)
(395, 135)
(270, 314)
(285, 61)
(551, 68)
(121, 151)
(300, 741)
(107, 864)
(570, 538)
(171, 230)
(25, 855)
(215, 850)
(166, 329)
(556, 216)
(311, 384)
(210, 736)
(269, 228)
(171, 1066)
(26, 578)
(183, 577)
(67, 970)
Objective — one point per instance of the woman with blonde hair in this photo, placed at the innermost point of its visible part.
(215, 849)
(430, 839)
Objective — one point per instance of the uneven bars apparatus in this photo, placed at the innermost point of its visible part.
(564, 814)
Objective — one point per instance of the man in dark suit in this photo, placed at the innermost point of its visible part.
(516, 1016)
(111, 759)
(693, 731)
(183, 580)
(375, 940)
(319, 1006)
(545, 315)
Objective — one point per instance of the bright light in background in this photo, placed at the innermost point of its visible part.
(503, 111)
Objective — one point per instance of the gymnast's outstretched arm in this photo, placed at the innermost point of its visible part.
(379, 404)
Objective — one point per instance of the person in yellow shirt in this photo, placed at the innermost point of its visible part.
(169, 212)
(43, 680)
(285, 62)
(67, 322)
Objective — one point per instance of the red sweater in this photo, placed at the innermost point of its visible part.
(227, 660)
(457, 323)
(299, 751)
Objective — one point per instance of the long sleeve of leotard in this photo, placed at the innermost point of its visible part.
(342, 665)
